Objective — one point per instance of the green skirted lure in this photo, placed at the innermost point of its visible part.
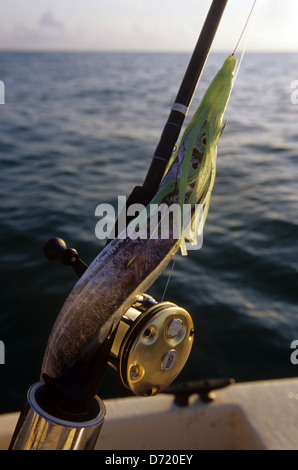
(192, 167)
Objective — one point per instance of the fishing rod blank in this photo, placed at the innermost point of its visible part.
(188, 86)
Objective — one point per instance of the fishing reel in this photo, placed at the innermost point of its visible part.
(152, 341)
(151, 345)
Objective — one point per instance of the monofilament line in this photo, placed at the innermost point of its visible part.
(245, 26)
(168, 280)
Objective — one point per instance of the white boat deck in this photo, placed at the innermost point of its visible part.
(253, 415)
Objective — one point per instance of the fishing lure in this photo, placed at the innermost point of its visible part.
(194, 162)
(113, 283)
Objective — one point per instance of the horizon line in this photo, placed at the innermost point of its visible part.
(136, 51)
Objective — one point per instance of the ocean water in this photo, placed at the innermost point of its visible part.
(79, 129)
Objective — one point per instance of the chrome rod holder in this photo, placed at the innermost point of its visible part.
(37, 429)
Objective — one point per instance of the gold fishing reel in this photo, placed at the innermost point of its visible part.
(151, 346)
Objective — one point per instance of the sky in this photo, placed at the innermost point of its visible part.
(143, 25)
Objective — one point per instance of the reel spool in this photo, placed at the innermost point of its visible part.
(151, 345)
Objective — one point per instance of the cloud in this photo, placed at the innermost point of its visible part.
(48, 19)
(141, 25)
(46, 32)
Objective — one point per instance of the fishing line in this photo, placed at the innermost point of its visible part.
(168, 280)
(245, 26)
(252, 10)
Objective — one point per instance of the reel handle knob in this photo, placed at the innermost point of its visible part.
(56, 249)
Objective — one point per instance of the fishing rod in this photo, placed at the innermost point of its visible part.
(144, 194)
(63, 410)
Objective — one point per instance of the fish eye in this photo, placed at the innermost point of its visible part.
(203, 140)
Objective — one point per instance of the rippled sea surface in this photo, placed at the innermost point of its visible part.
(79, 129)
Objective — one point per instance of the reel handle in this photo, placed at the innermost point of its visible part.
(56, 249)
